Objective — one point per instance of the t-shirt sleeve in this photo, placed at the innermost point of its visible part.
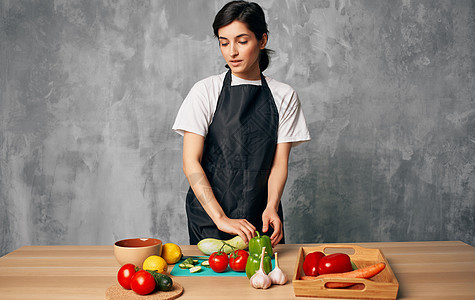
(292, 124)
(195, 113)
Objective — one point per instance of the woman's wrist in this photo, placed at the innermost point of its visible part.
(272, 205)
(219, 219)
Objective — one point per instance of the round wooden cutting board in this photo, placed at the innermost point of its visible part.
(116, 292)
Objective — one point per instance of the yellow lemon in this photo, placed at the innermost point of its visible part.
(171, 253)
(155, 263)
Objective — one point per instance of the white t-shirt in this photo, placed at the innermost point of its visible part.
(197, 110)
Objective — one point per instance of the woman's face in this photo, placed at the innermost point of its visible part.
(240, 48)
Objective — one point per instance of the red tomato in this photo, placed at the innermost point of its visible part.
(335, 263)
(142, 282)
(310, 264)
(218, 261)
(125, 274)
(238, 260)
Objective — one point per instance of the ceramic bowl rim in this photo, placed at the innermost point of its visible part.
(155, 242)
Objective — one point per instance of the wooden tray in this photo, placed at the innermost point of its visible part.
(382, 286)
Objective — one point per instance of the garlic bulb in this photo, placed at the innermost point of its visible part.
(260, 280)
(277, 276)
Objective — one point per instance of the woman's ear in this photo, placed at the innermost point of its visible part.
(263, 41)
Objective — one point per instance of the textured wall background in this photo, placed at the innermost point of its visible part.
(90, 89)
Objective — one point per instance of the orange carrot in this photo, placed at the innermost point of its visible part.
(366, 272)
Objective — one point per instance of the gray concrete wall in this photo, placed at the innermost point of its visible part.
(90, 89)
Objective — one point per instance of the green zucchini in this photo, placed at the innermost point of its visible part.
(209, 245)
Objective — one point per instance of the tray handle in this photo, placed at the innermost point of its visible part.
(358, 249)
(366, 283)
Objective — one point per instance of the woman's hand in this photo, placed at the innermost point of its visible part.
(240, 227)
(271, 218)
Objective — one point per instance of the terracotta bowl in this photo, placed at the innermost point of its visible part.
(135, 251)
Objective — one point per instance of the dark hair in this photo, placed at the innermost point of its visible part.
(252, 15)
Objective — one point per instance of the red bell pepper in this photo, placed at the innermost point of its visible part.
(335, 263)
(311, 262)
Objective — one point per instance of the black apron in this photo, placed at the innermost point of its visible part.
(237, 158)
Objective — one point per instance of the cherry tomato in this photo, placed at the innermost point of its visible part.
(125, 274)
(218, 261)
(238, 260)
(310, 264)
(143, 282)
(335, 263)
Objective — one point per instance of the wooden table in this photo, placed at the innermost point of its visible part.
(425, 270)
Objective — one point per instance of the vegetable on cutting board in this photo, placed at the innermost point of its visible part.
(205, 263)
(238, 260)
(210, 245)
(188, 263)
(365, 273)
(218, 261)
(192, 265)
(195, 269)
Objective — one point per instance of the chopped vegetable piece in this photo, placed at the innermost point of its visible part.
(195, 269)
(205, 263)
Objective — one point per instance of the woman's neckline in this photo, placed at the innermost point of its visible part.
(238, 80)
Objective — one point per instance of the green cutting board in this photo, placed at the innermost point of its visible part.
(205, 271)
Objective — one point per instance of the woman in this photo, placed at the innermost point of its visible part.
(238, 127)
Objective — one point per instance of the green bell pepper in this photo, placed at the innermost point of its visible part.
(258, 242)
(254, 262)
